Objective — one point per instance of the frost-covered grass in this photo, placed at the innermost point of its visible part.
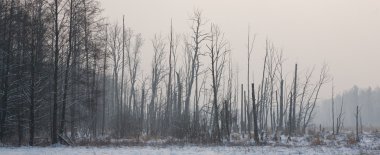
(318, 143)
(174, 150)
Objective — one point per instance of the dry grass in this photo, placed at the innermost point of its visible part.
(317, 140)
(351, 139)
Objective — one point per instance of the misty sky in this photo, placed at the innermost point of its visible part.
(343, 33)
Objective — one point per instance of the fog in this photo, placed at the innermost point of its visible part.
(343, 33)
(368, 100)
(230, 73)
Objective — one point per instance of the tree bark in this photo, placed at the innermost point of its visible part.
(357, 124)
(254, 111)
(281, 104)
(104, 84)
(294, 99)
(55, 85)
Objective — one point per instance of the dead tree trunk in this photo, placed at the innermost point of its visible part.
(254, 111)
(332, 108)
(217, 53)
(242, 126)
(281, 105)
(294, 100)
(339, 121)
(142, 110)
(104, 83)
(198, 37)
(122, 81)
(249, 52)
(179, 106)
(169, 87)
(357, 123)
(94, 96)
(290, 115)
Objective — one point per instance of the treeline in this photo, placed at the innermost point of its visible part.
(366, 98)
(68, 75)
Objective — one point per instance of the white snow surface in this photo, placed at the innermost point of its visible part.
(369, 144)
(186, 150)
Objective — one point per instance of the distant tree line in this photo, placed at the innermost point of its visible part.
(345, 106)
(67, 74)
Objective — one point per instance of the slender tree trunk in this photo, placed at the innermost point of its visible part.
(122, 80)
(74, 78)
(245, 114)
(169, 88)
(216, 131)
(357, 124)
(55, 85)
(196, 99)
(254, 111)
(281, 104)
(242, 112)
(19, 124)
(332, 109)
(31, 109)
(290, 114)
(179, 100)
(94, 96)
(142, 111)
(248, 116)
(294, 100)
(116, 92)
(262, 98)
(104, 83)
(226, 117)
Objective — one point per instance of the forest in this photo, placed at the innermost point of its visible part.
(69, 76)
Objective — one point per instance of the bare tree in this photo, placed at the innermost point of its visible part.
(133, 65)
(122, 77)
(157, 76)
(249, 53)
(198, 36)
(217, 52)
(312, 99)
(115, 54)
(169, 105)
(66, 78)
(55, 46)
(295, 95)
(304, 93)
(104, 80)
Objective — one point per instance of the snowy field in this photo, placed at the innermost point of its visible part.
(174, 150)
(308, 145)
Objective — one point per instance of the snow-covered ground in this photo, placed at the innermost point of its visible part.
(323, 143)
(174, 150)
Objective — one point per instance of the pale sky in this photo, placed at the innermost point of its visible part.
(343, 33)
